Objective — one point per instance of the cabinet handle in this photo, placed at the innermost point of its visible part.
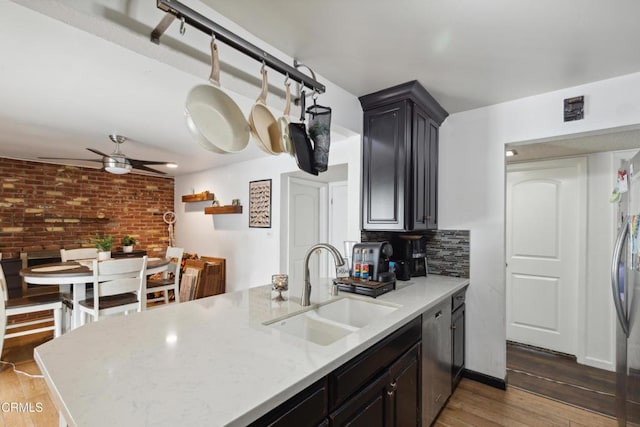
(394, 387)
(438, 314)
(453, 327)
(438, 398)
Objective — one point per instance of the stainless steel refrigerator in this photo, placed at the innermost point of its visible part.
(625, 286)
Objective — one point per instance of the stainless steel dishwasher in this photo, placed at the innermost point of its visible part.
(436, 360)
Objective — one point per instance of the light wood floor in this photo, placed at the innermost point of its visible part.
(20, 389)
(472, 404)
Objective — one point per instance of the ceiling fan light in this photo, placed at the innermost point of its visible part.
(172, 165)
(117, 167)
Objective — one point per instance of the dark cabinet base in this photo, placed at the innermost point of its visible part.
(380, 387)
(457, 341)
(368, 408)
(307, 409)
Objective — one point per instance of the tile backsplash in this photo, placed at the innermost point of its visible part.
(447, 250)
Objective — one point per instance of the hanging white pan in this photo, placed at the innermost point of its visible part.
(280, 129)
(213, 118)
(261, 120)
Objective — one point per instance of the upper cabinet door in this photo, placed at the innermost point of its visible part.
(384, 151)
(420, 165)
(424, 154)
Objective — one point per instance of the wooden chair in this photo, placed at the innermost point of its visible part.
(81, 253)
(28, 305)
(167, 283)
(118, 286)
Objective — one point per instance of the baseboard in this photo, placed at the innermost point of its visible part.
(485, 379)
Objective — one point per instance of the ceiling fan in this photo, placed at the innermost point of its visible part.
(116, 162)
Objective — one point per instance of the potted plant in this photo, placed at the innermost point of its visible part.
(104, 245)
(127, 243)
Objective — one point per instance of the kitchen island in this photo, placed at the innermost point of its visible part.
(211, 361)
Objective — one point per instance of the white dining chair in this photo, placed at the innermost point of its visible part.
(28, 305)
(167, 283)
(80, 253)
(73, 255)
(118, 287)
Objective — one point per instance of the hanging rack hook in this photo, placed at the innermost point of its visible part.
(183, 28)
(263, 67)
(213, 37)
(286, 80)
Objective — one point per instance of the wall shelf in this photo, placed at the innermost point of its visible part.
(230, 209)
(200, 197)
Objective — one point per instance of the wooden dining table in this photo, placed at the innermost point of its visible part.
(76, 275)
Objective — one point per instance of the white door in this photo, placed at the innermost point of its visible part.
(546, 213)
(337, 220)
(304, 230)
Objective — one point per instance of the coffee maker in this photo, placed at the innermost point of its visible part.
(378, 253)
(409, 255)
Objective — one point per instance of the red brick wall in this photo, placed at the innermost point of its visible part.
(47, 207)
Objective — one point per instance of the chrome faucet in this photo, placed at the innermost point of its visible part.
(337, 258)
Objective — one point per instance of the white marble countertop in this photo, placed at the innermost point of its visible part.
(210, 361)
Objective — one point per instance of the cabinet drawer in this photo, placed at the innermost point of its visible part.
(307, 409)
(353, 375)
(458, 299)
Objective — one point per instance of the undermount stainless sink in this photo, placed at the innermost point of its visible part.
(326, 323)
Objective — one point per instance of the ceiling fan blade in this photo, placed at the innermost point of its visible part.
(145, 162)
(98, 153)
(68, 158)
(144, 168)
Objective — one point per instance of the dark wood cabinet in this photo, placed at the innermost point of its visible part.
(400, 159)
(457, 338)
(405, 389)
(425, 171)
(392, 399)
(370, 407)
(307, 409)
(381, 386)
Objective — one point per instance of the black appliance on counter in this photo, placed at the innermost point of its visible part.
(409, 255)
(380, 280)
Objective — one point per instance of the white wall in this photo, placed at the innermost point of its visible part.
(252, 254)
(471, 189)
(598, 320)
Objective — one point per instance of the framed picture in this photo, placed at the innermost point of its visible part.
(260, 204)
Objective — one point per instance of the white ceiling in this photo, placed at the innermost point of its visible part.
(467, 53)
(74, 71)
